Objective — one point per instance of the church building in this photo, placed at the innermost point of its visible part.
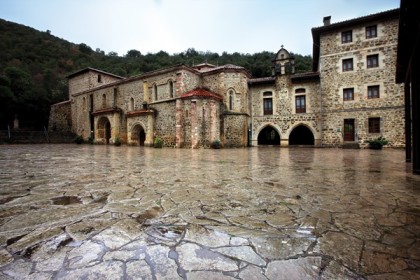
(348, 98)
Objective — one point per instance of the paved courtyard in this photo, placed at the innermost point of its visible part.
(105, 212)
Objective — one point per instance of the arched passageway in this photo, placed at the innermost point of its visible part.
(301, 135)
(268, 136)
(138, 135)
(104, 130)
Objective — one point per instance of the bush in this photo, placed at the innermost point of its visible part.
(117, 141)
(78, 139)
(216, 144)
(158, 143)
(377, 143)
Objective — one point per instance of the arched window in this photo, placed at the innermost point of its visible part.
(230, 100)
(104, 100)
(171, 89)
(84, 103)
(155, 91)
(132, 104)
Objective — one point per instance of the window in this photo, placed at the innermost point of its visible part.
(374, 125)
(99, 78)
(348, 94)
(372, 61)
(346, 37)
(373, 92)
(300, 90)
(230, 100)
(300, 104)
(132, 104)
(348, 64)
(371, 32)
(155, 91)
(171, 89)
(103, 101)
(268, 103)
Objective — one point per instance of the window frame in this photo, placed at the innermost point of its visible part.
(298, 105)
(346, 92)
(374, 125)
(372, 61)
(346, 63)
(368, 31)
(347, 37)
(373, 92)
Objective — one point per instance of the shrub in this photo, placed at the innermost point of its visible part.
(377, 143)
(216, 144)
(158, 143)
(117, 141)
(78, 139)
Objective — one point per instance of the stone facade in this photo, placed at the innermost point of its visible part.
(335, 104)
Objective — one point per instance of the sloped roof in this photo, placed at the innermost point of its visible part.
(94, 70)
(201, 93)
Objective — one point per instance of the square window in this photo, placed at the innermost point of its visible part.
(373, 92)
(374, 125)
(371, 32)
(300, 104)
(348, 64)
(348, 94)
(268, 106)
(372, 61)
(346, 37)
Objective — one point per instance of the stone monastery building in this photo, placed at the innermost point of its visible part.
(349, 97)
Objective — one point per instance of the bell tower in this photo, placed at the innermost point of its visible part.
(283, 63)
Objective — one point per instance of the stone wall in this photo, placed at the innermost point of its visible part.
(60, 117)
(235, 130)
(389, 105)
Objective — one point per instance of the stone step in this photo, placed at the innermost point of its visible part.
(350, 145)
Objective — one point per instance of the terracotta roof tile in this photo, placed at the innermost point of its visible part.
(201, 93)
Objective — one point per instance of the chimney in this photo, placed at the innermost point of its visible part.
(327, 20)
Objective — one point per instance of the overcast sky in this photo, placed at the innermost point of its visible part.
(245, 26)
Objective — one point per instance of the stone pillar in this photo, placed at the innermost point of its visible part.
(115, 127)
(146, 97)
(194, 127)
(284, 142)
(180, 87)
(150, 131)
(213, 121)
(178, 123)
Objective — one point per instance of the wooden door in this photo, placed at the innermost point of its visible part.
(349, 130)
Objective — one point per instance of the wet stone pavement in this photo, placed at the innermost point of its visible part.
(105, 212)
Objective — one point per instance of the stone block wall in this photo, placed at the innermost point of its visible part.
(389, 105)
(60, 117)
(235, 130)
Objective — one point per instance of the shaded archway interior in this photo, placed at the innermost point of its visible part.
(268, 136)
(138, 135)
(104, 129)
(301, 135)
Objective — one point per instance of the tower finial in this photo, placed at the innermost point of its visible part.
(282, 46)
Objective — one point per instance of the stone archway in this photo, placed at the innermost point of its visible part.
(301, 135)
(104, 130)
(268, 136)
(138, 135)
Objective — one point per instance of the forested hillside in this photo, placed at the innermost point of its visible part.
(34, 66)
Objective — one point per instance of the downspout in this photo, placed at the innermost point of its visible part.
(321, 107)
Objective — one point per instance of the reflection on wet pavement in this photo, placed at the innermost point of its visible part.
(105, 212)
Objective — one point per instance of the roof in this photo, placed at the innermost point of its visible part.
(317, 31)
(265, 80)
(94, 70)
(201, 93)
(305, 76)
(224, 68)
(408, 37)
